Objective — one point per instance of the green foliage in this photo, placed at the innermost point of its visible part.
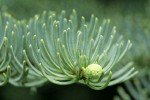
(53, 48)
(137, 29)
(65, 49)
(138, 89)
(13, 65)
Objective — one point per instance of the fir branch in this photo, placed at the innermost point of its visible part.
(61, 50)
(138, 89)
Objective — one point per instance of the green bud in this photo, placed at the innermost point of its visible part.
(92, 71)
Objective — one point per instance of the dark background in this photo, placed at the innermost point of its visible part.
(55, 92)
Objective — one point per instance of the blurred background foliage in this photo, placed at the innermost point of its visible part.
(21, 9)
(131, 17)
